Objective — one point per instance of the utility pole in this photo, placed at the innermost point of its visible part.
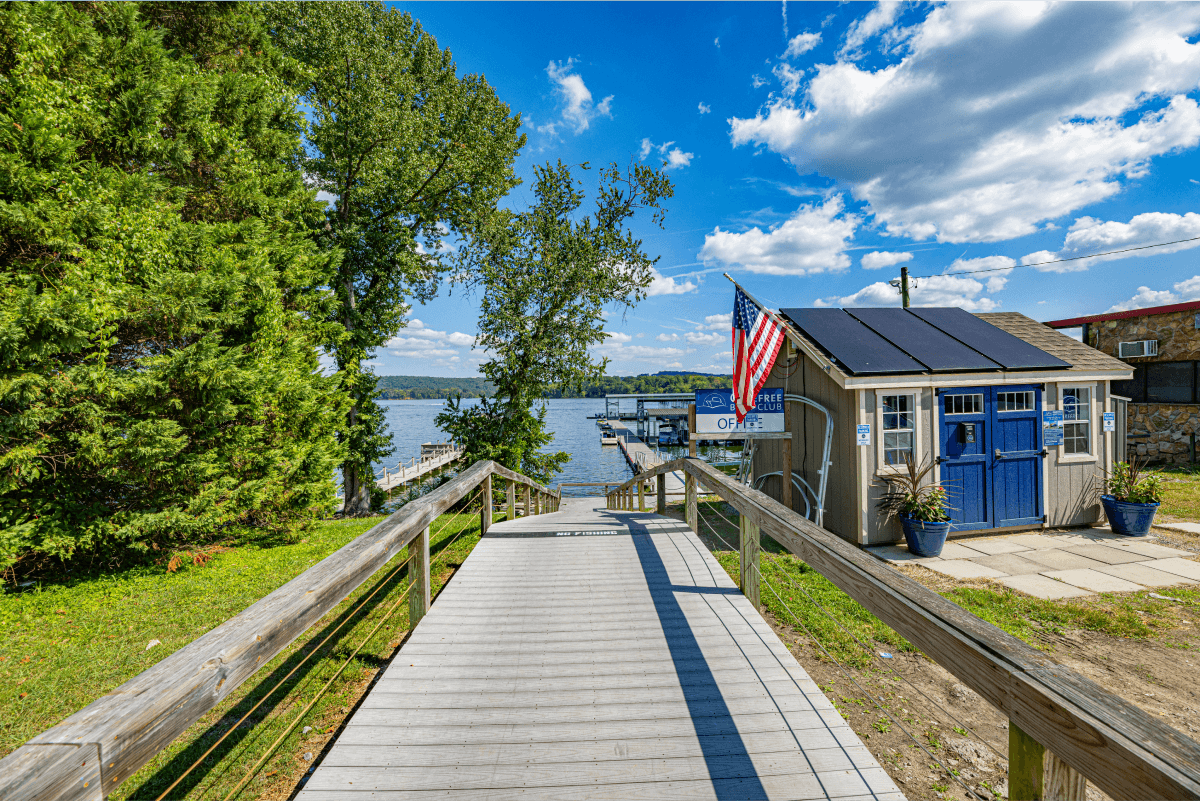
(904, 287)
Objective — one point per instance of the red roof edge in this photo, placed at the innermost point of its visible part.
(1075, 322)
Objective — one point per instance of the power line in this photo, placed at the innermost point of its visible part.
(1059, 261)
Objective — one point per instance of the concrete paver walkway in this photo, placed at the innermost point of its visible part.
(1059, 564)
(595, 654)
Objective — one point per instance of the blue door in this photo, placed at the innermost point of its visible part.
(991, 461)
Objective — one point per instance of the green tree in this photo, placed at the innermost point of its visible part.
(544, 276)
(159, 309)
(410, 153)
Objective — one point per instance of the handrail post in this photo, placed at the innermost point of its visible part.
(1036, 774)
(511, 494)
(750, 545)
(527, 508)
(1025, 765)
(661, 504)
(485, 512)
(692, 512)
(641, 496)
(418, 576)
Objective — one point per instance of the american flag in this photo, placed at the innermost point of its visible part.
(756, 341)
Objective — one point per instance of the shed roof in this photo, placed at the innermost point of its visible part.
(1081, 357)
(1078, 357)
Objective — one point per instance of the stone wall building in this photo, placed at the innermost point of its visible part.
(1162, 344)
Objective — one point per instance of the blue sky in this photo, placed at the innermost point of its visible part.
(815, 148)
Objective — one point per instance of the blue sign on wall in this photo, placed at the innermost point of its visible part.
(715, 412)
(1052, 428)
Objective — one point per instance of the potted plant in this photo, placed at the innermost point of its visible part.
(921, 508)
(1132, 498)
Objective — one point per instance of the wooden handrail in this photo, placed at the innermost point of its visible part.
(1122, 749)
(90, 753)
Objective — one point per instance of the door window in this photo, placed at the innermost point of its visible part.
(1014, 401)
(1077, 420)
(898, 427)
(964, 404)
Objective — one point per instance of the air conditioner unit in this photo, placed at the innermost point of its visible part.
(1133, 350)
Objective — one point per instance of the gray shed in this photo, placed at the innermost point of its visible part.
(967, 391)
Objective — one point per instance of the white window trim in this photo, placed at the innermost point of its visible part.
(1091, 456)
(918, 395)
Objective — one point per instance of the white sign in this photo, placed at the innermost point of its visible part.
(1110, 421)
(864, 434)
(715, 412)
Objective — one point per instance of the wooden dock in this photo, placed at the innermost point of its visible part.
(641, 456)
(595, 654)
(417, 469)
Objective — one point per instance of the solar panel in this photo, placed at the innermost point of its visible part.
(931, 346)
(859, 349)
(1011, 352)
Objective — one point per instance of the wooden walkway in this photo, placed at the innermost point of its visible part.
(641, 456)
(595, 654)
(412, 472)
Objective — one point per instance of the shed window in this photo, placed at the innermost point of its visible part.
(1077, 420)
(898, 420)
(1014, 401)
(964, 404)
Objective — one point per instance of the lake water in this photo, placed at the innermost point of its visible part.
(411, 423)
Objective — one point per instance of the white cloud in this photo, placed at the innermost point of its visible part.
(667, 337)
(424, 353)
(801, 44)
(860, 31)
(616, 350)
(1026, 112)
(1146, 297)
(790, 77)
(618, 337)
(706, 339)
(877, 260)
(811, 241)
(717, 41)
(1089, 235)
(757, 81)
(717, 322)
(579, 110)
(939, 290)
(666, 285)
(704, 108)
(673, 156)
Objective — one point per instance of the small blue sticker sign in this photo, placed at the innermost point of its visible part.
(1052, 428)
(1110, 421)
(864, 434)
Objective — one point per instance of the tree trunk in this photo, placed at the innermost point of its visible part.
(358, 492)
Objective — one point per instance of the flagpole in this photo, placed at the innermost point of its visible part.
(791, 332)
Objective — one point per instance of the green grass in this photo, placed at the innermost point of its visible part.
(1181, 496)
(804, 599)
(63, 646)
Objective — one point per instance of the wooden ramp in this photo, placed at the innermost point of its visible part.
(595, 654)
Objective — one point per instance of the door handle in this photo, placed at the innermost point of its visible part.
(998, 455)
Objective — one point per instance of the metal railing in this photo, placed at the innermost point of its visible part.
(90, 753)
(1058, 720)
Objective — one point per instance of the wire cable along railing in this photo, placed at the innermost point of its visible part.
(92, 752)
(1063, 728)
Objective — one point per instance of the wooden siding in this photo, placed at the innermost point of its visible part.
(1072, 487)
(808, 438)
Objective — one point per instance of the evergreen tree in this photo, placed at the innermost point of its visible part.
(410, 153)
(159, 303)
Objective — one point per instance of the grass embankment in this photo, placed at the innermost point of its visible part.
(795, 590)
(62, 646)
(1181, 493)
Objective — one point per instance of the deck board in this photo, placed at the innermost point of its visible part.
(591, 654)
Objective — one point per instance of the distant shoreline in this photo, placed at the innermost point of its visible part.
(404, 387)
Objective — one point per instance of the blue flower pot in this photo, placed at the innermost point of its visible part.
(923, 538)
(1130, 519)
